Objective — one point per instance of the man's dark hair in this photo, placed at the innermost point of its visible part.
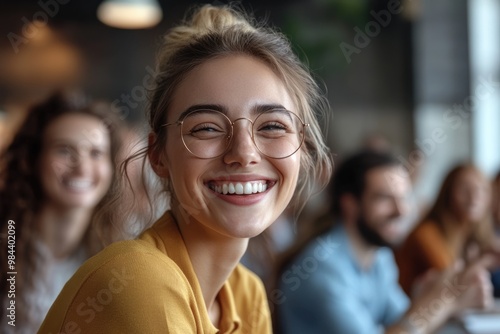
(349, 177)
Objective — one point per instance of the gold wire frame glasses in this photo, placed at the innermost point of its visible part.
(207, 134)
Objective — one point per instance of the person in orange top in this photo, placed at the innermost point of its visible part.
(496, 204)
(495, 275)
(457, 227)
(235, 140)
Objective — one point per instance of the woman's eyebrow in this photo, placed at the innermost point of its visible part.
(71, 142)
(216, 107)
(260, 108)
(62, 141)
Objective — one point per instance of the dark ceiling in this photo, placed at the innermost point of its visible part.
(116, 59)
(84, 11)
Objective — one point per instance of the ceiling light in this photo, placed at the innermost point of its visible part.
(130, 14)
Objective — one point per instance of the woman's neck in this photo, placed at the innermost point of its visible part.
(213, 257)
(458, 232)
(62, 230)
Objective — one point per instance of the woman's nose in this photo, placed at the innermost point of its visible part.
(80, 163)
(242, 149)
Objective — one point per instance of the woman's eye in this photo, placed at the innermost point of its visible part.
(274, 126)
(96, 153)
(204, 127)
(63, 150)
(207, 131)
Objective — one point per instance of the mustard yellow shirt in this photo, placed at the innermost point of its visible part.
(149, 286)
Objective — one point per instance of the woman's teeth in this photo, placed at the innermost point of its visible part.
(238, 188)
(79, 184)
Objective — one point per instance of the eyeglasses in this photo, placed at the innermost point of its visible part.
(206, 133)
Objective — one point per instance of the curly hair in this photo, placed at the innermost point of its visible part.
(22, 192)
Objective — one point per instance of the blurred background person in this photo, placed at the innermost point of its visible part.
(457, 227)
(496, 204)
(58, 169)
(495, 275)
(344, 278)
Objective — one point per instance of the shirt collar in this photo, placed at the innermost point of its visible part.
(172, 244)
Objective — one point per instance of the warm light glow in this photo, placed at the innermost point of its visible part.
(130, 14)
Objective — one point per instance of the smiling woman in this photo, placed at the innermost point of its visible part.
(458, 227)
(57, 170)
(235, 139)
(75, 169)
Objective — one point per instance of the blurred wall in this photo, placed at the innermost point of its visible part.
(392, 69)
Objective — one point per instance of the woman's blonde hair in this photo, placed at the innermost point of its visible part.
(213, 32)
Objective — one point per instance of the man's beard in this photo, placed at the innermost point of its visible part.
(370, 235)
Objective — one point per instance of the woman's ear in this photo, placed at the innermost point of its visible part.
(155, 157)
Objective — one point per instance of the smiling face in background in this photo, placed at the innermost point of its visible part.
(383, 205)
(240, 87)
(75, 164)
(496, 202)
(470, 196)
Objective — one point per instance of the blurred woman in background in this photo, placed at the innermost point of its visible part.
(495, 275)
(496, 204)
(458, 227)
(58, 169)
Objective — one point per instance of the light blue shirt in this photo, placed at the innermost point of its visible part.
(325, 291)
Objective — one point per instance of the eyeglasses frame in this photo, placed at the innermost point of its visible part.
(230, 137)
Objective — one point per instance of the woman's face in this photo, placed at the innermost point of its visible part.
(496, 202)
(470, 196)
(75, 164)
(241, 87)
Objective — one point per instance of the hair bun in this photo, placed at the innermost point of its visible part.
(210, 18)
(206, 19)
